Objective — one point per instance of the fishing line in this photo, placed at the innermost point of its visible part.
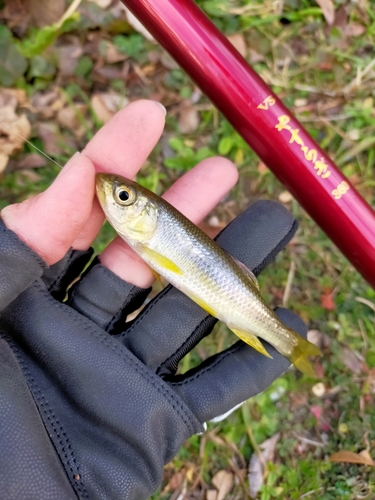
(30, 143)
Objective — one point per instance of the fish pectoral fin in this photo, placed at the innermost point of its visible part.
(252, 340)
(248, 273)
(162, 261)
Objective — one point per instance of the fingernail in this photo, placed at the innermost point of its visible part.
(70, 162)
(161, 107)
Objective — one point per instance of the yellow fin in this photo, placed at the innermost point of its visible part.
(202, 304)
(156, 275)
(162, 261)
(302, 350)
(252, 340)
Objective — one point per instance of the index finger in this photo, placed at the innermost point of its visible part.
(121, 145)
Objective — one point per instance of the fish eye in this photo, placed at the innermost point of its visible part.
(124, 195)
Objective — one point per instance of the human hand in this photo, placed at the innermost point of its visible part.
(90, 407)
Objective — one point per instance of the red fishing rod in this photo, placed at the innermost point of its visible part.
(266, 124)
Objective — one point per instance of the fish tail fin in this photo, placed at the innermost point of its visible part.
(300, 353)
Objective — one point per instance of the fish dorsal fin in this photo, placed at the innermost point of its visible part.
(247, 272)
(251, 340)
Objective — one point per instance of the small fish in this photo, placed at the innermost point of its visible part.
(186, 257)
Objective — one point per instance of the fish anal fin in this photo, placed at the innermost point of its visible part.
(246, 271)
(252, 341)
(300, 353)
(162, 261)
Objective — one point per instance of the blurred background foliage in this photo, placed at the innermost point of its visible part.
(67, 67)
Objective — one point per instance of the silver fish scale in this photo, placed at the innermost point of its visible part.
(209, 275)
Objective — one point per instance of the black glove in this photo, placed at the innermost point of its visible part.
(90, 409)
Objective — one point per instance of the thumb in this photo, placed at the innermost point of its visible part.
(50, 222)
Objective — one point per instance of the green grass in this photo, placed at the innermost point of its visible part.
(314, 70)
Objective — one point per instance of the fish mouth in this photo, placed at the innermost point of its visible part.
(102, 179)
(102, 183)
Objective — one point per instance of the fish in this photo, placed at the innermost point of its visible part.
(180, 252)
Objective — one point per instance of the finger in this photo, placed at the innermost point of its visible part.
(195, 195)
(91, 228)
(174, 323)
(229, 378)
(122, 146)
(104, 298)
(50, 222)
(58, 277)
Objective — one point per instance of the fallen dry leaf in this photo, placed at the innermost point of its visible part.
(13, 130)
(354, 29)
(167, 61)
(238, 42)
(366, 454)
(68, 56)
(211, 495)
(49, 133)
(8, 100)
(45, 12)
(112, 55)
(114, 102)
(32, 160)
(268, 447)
(106, 105)
(46, 104)
(176, 481)
(68, 117)
(255, 475)
(223, 482)
(341, 17)
(256, 466)
(255, 57)
(3, 162)
(100, 109)
(345, 456)
(318, 338)
(318, 369)
(12, 98)
(328, 10)
(17, 16)
(188, 120)
(351, 360)
(137, 25)
(315, 337)
(285, 197)
(31, 176)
